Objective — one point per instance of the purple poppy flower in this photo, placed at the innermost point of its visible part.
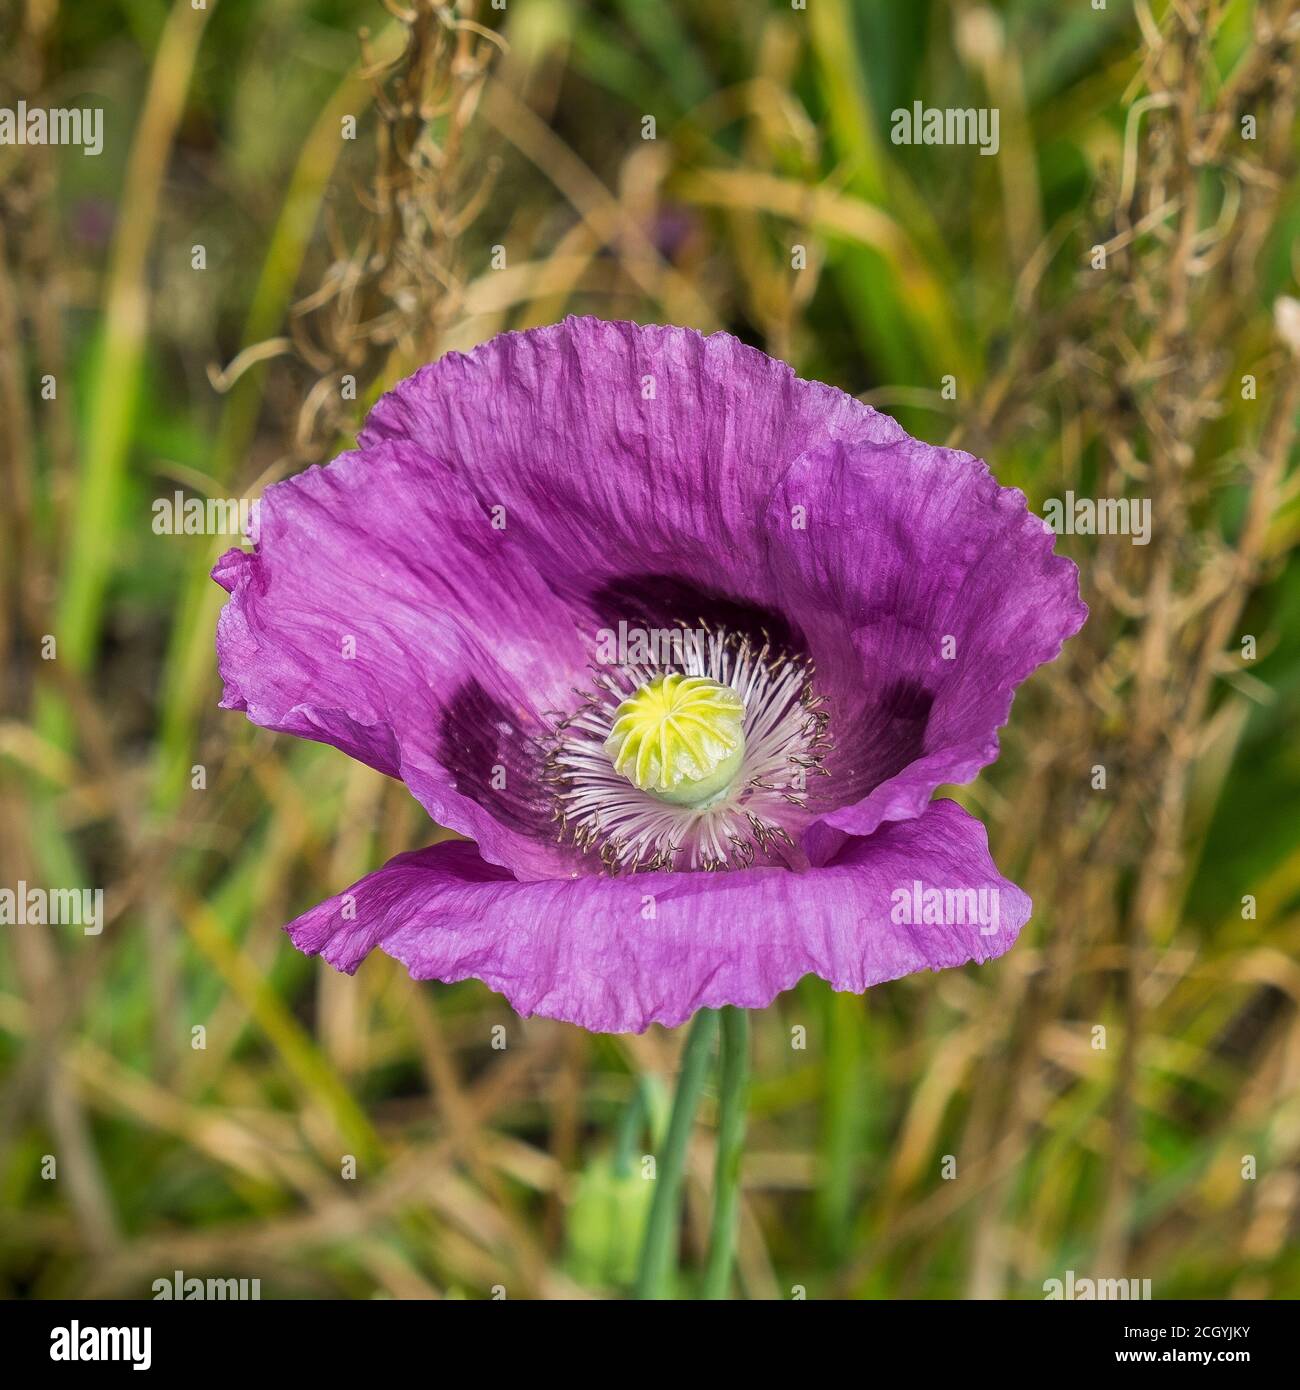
(682, 643)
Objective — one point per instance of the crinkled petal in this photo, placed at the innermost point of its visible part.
(617, 954)
(927, 593)
(635, 463)
(382, 613)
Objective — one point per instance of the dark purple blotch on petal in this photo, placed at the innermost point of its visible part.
(666, 601)
(481, 745)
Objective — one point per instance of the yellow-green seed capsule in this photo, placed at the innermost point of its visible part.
(680, 738)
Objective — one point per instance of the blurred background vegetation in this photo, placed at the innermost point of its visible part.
(500, 177)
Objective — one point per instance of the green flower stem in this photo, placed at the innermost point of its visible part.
(733, 1090)
(630, 1126)
(658, 1253)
